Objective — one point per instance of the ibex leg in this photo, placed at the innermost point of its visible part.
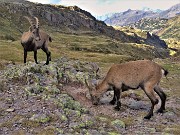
(25, 56)
(113, 101)
(48, 54)
(151, 94)
(35, 56)
(117, 96)
(162, 96)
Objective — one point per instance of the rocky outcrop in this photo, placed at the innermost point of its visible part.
(35, 98)
(154, 40)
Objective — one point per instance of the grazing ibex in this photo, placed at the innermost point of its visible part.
(132, 75)
(35, 39)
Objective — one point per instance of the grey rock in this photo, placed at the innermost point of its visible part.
(133, 104)
(42, 118)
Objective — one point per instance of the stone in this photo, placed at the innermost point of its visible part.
(42, 118)
(118, 123)
(10, 110)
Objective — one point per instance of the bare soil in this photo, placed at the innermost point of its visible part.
(132, 111)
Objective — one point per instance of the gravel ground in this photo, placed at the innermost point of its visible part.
(37, 99)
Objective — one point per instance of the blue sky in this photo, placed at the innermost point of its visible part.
(100, 7)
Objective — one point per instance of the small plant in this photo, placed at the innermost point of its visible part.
(7, 37)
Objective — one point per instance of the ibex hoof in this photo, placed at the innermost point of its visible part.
(112, 102)
(117, 108)
(160, 111)
(148, 117)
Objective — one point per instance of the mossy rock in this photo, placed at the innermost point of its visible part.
(41, 118)
(74, 114)
(34, 89)
(88, 120)
(118, 123)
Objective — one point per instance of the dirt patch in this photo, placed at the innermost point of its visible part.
(132, 110)
(81, 95)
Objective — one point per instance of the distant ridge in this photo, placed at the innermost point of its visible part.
(132, 16)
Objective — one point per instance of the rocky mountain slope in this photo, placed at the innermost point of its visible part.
(133, 16)
(52, 100)
(167, 29)
(67, 19)
(150, 24)
(148, 37)
(171, 29)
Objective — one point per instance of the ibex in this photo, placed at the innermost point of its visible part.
(35, 39)
(131, 75)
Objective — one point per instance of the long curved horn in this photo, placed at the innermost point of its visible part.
(37, 22)
(30, 20)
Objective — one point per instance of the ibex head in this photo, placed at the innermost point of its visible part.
(92, 86)
(34, 28)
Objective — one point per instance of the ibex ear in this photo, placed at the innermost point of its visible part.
(91, 84)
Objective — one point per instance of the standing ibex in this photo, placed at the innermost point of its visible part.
(132, 75)
(35, 39)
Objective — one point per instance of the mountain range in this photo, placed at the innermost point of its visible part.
(132, 16)
(108, 15)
